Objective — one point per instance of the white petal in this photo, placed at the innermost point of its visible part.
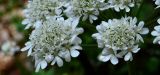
(77, 47)
(117, 9)
(104, 58)
(43, 64)
(157, 28)
(122, 7)
(158, 21)
(99, 28)
(156, 39)
(135, 49)
(144, 31)
(131, 5)
(100, 43)
(59, 61)
(140, 25)
(90, 20)
(134, 20)
(75, 21)
(127, 9)
(157, 2)
(139, 38)
(74, 53)
(159, 42)
(104, 23)
(38, 67)
(75, 40)
(79, 30)
(128, 56)
(155, 33)
(106, 51)
(29, 52)
(25, 21)
(114, 60)
(28, 45)
(53, 62)
(49, 58)
(25, 48)
(28, 26)
(96, 36)
(84, 17)
(67, 56)
(93, 17)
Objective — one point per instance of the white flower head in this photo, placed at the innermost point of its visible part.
(119, 36)
(156, 33)
(122, 4)
(37, 11)
(85, 9)
(9, 47)
(55, 40)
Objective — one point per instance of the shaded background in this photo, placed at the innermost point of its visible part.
(145, 62)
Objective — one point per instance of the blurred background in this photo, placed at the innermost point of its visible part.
(13, 36)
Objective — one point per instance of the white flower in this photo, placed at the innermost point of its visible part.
(121, 36)
(53, 41)
(85, 9)
(156, 33)
(122, 4)
(40, 64)
(9, 47)
(108, 54)
(37, 11)
(157, 2)
(128, 56)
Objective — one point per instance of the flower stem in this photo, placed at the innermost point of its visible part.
(129, 68)
(140, 7)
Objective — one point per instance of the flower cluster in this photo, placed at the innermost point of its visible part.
(122, 4)
(156, 33)
(38, 10)
(9, 48)
(118, 38)
(9, 39)
(55, 39)
(85, 8)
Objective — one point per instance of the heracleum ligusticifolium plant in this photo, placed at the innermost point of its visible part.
(55, 39)
(118, 38)
(55, 33)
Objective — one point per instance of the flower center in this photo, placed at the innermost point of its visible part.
(121, 35)
(50, 37)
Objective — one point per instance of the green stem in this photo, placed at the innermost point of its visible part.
(129, 68)
(140, 7)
